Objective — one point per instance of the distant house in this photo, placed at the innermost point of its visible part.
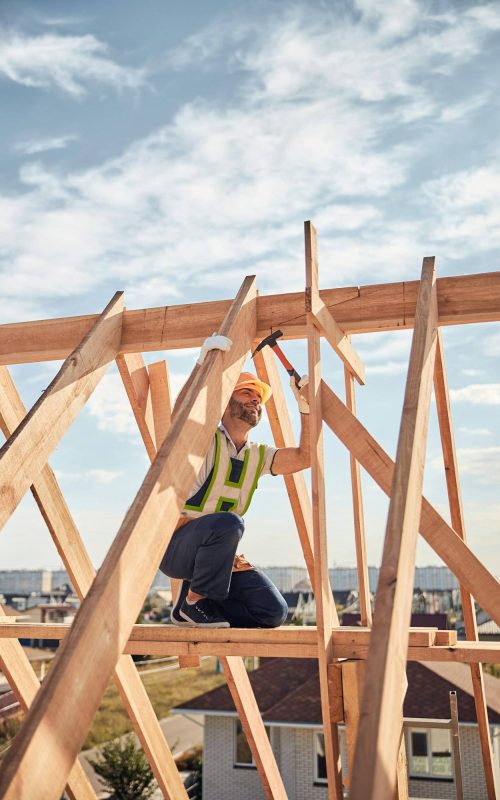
(287, 691)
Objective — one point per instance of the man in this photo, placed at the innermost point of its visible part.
(220, 589)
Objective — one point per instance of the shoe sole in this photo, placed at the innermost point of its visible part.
(181, 623)
(191, 624)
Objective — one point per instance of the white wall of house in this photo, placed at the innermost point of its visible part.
(295, 754)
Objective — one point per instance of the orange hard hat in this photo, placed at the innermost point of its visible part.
(247, 379)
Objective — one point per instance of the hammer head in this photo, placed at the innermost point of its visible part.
(268, 341)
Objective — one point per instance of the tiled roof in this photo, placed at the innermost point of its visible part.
(287, 690)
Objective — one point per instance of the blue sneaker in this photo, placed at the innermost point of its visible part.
(175, 617)
(203, 614)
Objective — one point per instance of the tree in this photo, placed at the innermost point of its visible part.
(124, 770)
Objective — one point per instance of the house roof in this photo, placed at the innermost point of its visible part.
(287, 691)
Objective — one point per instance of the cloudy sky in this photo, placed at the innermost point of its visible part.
(170, 149)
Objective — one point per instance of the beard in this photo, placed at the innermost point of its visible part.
(250, 415)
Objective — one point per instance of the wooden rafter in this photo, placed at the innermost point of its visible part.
(27, 450)
(233, 666)
(365, 608)
(458, 523)
(357, 309)
(374, 771)
(78, 565)
(18, 670)
(326, 613)
(68, 698)
(435, 530)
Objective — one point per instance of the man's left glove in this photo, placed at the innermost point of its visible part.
(302, 402)
(213, 342)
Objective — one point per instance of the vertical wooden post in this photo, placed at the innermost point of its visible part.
(375, 761)
(455, 740)
(326, 615)
(458, 525)
(359, 522)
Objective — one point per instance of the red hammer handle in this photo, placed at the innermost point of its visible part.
(284, 360)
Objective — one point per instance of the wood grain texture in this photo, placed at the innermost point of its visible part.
(336, 337)
(281, 427)
(326, 613)
(376, 754)
(27, 450)
(16, 667)
(434, 529)
(135, 377)
(365, 608)
(68, 699)
(76, 560)
(458, 524)
(357, 309)
(244, 700)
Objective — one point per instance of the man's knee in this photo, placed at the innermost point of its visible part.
(228, 524)
(275, 613)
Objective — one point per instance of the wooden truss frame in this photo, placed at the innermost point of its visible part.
(362, 670)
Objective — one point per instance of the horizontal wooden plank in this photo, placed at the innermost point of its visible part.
(364, 309)
(289, 634)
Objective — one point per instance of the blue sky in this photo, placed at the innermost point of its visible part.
(171, 149)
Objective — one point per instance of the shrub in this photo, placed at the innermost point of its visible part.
(123, 769)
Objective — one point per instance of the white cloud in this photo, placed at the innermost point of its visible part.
(102, 476)
(478, 394)
(476, 431)
(222, 190)
(110, 407)
(481, 462)
(67, 63)
(42, 145)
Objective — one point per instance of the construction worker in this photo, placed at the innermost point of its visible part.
(218, 587)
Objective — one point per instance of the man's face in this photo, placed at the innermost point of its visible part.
(246, 404)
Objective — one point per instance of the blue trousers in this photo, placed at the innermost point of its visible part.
(202, 551)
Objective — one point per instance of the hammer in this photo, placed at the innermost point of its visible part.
(271, 341)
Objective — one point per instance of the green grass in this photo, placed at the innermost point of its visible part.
(165, 690)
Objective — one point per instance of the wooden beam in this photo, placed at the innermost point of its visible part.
(77, 563)
(326, 613)
(458, 524)
(70, 695)
(377, 746)
(455, 739)
(357, 309)
(17, 669)
(365, 608)
(336, 337)
(233, 666)
(281, 427)
(135, 377)
(353, 678)
(26, 452)
(438, 534)
(161, 399)
(153, 428)
(343, 636)
(244, 700)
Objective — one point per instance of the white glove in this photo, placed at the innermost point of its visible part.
(302, 402)
(213, 342)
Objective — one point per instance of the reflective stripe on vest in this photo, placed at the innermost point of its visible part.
(223, 494)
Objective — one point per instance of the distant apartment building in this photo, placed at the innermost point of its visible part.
(286, 578)
(437, 579)
(25, 581)
(59, 578)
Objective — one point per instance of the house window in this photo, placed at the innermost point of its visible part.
(242, 753)
(319, 756)
(430, 753)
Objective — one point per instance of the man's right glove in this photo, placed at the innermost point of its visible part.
(213, 342)
(302, 402)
